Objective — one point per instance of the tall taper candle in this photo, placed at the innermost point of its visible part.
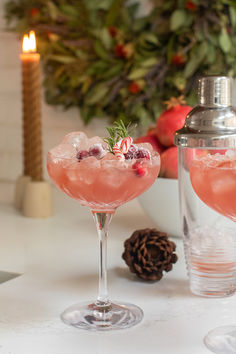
(31, 109)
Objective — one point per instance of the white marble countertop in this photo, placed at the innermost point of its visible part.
(57, 260)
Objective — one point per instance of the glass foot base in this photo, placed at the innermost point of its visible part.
(222, 340)
(97, 318)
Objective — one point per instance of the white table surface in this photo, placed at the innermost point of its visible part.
(57, 258)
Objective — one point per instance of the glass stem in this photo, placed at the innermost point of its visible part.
(102, 221)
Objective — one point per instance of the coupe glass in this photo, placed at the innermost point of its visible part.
(213, 178)
(102, 185)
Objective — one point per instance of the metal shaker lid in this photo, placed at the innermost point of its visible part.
(212, 123)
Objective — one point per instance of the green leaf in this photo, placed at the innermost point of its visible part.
(144, 116)
(113, 71)
(96, 94)
(211, 54)
(86, 85)
(197, 57)
(113, 12)
(224, 41)
(191, 98)
(103, 35)
(69, 10)
(98, 4)
(232, 3)
(170, 47)
(179, 82)
(106, 38)
(75, 80)
(232, 12)
(156, 107)
(61, 58)
(138, 73)
(202, 51)
(148, 63)
(52, 10)
(214, 40)
(80, 54)
(178, 19)
(58, 48)
(150, 38)
(99, 67)
(191, 67)
(100, 50)
(140, 23)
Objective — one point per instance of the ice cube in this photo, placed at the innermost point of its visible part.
(77, 139)
(88, 169)
(208, 239)
(89, 163)
(231, 153)
(62, 151)
(97, 151)
(84, 171)
(71, 164)
(73, 171)
(109, 160)
(97, 140)
(145, 146)
(223, 185)
(213, 160)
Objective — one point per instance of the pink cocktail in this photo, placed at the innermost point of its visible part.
(213, 178)
(103, 176)
(100, 184)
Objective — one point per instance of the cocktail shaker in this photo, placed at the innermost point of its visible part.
(209, 237)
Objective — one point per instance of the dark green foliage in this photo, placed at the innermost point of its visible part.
(163, 53)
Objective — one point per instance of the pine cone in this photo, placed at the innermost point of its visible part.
(148, 253)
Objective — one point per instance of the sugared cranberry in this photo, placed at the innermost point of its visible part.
(129, 155)
(142, 154)
(97, 151)
(133, 148)
(139, 169)
(82, 154)
(131, 152)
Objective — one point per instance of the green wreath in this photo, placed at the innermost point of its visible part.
(98, 55)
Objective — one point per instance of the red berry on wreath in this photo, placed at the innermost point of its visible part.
(172, 119)
(134, 87)
(112, 31)
(120, 51)
(191, 6)
(34, 12)
(178, 60)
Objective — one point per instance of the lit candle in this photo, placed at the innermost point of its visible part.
(33, 165)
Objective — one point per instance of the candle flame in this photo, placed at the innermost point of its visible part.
(29, 43)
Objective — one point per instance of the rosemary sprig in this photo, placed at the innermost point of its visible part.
(117, 132)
